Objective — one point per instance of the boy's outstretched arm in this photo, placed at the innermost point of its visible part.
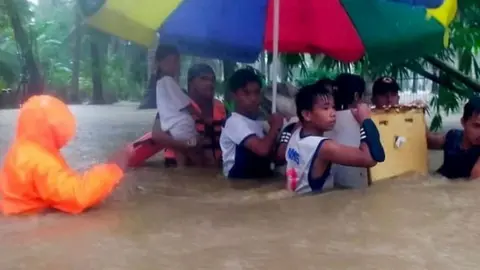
(366, 155)
(346, 155)
(262, 146)
(72, 192)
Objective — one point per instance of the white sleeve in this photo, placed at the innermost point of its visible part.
(169, 92)
(237, 130)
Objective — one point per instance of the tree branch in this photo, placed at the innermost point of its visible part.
(469, 82)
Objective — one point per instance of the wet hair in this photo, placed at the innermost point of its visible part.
(347, 86)
(198, 70)
(242, 77)
(472, 108)
(307, 97)
(162, 52)
(385, 85)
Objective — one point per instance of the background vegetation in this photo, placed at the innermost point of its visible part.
(49, 45)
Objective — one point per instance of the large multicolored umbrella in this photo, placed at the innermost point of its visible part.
(240, 29)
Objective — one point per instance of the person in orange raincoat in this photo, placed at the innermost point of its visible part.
(35, 177)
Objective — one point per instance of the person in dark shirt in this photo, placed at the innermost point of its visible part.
(461, 148)
(385, 92)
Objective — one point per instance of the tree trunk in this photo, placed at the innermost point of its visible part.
(35, 81)
(77, 53)
(97, 94)
(150, 95)
(151, 59)
(414, 82)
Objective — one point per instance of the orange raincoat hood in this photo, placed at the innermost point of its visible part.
(47, 121)
(35, 176)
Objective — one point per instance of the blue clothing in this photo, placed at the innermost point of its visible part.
(457, 162)
(317, 184)
(239, 162)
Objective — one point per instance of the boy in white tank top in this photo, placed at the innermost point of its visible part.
(310, 155)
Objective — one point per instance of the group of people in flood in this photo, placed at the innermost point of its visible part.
(197, 130)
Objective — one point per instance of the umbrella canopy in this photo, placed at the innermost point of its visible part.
(422, 3)
(239, 30)
(137, 21)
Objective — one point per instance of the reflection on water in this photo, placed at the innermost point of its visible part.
(186, 219)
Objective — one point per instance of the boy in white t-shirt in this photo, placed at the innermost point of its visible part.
(247, 151)
(174, 106)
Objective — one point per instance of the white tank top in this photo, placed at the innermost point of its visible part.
(300, 155)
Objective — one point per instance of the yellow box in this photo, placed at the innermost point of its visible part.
(406, 124)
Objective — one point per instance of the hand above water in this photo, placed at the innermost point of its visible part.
(275, 121)
(361, 112)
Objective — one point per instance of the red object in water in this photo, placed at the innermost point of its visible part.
(143, 149)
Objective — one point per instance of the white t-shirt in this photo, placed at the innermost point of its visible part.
(171, 103)
(238, 161)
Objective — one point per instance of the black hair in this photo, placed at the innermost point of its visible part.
(347, 86)
(199, 70)
(242, 77)
(471, 108)
(385, 85)
(307, 96)
(162, 52)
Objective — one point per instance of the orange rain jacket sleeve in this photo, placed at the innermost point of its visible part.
(35, 176)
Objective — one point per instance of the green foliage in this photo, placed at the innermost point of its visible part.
(3, 85)
(312, 75)
(9, 67)
(52, 27)
(118, 81)
(9, 61)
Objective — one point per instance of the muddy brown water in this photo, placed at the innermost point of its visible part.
(193, 219)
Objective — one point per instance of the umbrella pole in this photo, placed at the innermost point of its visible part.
(275, 60)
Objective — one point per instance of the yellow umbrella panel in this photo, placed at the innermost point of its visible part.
(137, 21)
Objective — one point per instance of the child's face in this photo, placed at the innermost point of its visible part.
(248, 98)
(322, 117)
(471, 127)
(170, 65)
(388, 99)
(204, 85)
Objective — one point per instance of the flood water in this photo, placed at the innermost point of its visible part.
(178, 219)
